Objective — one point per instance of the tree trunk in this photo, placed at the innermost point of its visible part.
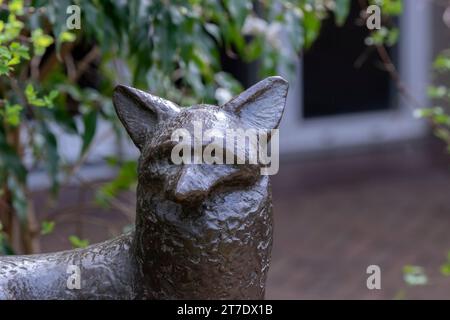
(26, 241)
(7, 213)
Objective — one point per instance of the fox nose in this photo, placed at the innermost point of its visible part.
(191, 185)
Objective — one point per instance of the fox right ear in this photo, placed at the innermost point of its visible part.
(140, 111)
(261, 106)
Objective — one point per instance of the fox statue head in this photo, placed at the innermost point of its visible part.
(202, 230)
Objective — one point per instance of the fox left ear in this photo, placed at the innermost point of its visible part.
(262, 105)
(140, 112)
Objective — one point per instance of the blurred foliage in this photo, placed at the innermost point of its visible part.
(54, 80)
(388, 33)
(414, 275)
(439, 93)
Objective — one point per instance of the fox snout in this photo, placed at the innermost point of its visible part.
(191, 185)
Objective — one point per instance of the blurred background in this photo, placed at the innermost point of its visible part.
(364, 168)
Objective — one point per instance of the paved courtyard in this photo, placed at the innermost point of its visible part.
(336, 216)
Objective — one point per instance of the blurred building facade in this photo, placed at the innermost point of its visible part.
(341, 95)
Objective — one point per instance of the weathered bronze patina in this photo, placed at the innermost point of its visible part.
(202, 231)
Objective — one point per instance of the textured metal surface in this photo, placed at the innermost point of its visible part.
(106, 273)
(202, 231)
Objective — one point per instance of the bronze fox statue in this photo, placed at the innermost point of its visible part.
(203, 231)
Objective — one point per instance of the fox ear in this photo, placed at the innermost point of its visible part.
(262, 105)
(140, 111)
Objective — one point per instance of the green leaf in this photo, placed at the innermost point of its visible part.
(67, 36)
(47, 227)
(428, 112)
(437, 92)
(17, 47)
(311, 25)
(445, 269)
(48, 99)
(214, 31)
(90, 126)
(441, 119)
(378, 37)
(238, 9)
(53, 94)
(4, 69)
(442, 134)
(392, 7)
(125, 179)
(16, 7)
(51, 155)
(442, 62)
(19, 50)
(392, 37)
(77, 242)
(32, 98)
(15, 60)
(341, 11)
(29, 91)
(40, 41)
(5, 52)
(12, 114)
(12, 29)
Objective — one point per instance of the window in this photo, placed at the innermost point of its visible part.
(351, 73)
(330, 107)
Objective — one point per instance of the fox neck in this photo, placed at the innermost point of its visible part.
(220, 250)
